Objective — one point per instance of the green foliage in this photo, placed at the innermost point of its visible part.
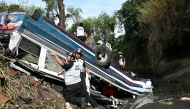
(30, 9)
(93, 25)
(19, 8)
(132, 43)
(182, 85)
(49, 10)
(166, 20)
(74, 14)
(11, 8)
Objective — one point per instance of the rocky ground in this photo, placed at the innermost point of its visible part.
(21, 91)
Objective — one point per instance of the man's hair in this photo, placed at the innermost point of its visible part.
(81, 24)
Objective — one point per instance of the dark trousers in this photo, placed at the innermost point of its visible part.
(82, 38)
(121, 67)
(74, 93)
(83, 79)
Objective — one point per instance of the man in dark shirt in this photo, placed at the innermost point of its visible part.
(74, 92)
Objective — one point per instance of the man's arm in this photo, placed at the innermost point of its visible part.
(59, 61)
(86, 35)
(86, 68)
(124, 63)
(75, 34)
(110, 49)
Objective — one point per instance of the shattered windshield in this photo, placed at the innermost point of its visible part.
(51, 63)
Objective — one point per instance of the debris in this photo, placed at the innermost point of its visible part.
(11, 71)
(167, 103)
(35, 82)
(4, 97)
(18, 68)
(183, 99)
(67, 105)
(164, 100)
(2, 80)
(156, 97)
(26, 100)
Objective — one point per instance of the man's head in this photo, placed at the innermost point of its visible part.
(120, 54)
(106, 41)
(70, 56)
(78, 53)
(81, 24)
(73, 56)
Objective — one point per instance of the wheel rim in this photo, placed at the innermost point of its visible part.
(102, 56)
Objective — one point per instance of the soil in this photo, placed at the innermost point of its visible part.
(22, 91)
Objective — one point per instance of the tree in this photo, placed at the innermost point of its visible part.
(166, 20)
(61, 7)
(55, 8)
(11, 8)
(19, 8)
(74, 14)
(30, 9)
(92, 26)
(132, 44)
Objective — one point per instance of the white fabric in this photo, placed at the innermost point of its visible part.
(80, 31)
(121, 62)
(2, 20)
(133, 74)
(72, 75)
(108, 45)
(15, 38)
(14, 42)
(87, 84)
(81, 62)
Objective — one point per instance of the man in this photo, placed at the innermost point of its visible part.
(102, 37)
(72, 59)
(85, 74)
(74, 91)
(108, 44)
(121, 61)
(81, 33)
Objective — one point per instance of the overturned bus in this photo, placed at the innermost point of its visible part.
(29, 38)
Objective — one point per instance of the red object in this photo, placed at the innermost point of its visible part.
(109, 90)
(4, 28)
(11, 71)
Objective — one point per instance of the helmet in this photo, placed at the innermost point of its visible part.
(79, 51)
(70, 53)
(120, 53)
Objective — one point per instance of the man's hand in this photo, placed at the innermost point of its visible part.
(89, 76)
(123, 67)
(52, 53)
(59, 73)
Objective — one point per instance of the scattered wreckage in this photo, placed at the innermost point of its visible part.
(28, 39)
